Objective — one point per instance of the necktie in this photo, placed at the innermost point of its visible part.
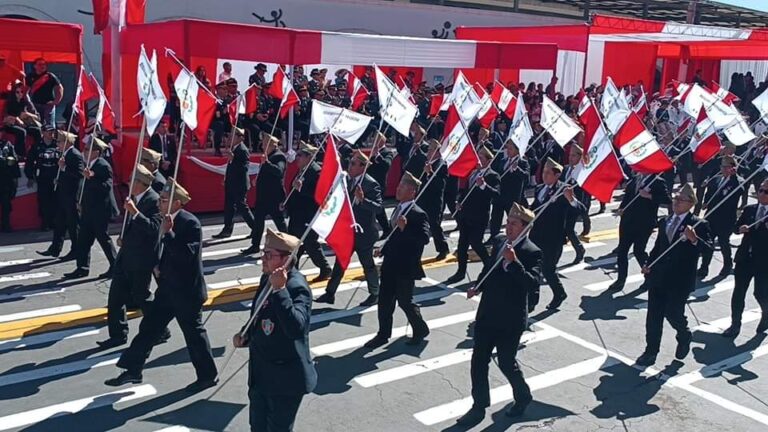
(395, 215)
(760, 213)
(543, 193)
(671, 228)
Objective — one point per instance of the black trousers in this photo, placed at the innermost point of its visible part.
(128, 287)
(218, 129)
(94, 228)
(20, 138)
(260, 213)
(506, 344)
(470, 234)
(435, 219)
(364, 251)
(635, 239)
(6, 199)
(383, 221)
(724, 241)
(570, 234)
(550, 257)
(743, 275)
(497, 216)
(664, 303)
(153, 325)
(46, 203)
(311, 245)
(450, 193)
(395, 288)
(272, 413)
(236, 203)
(67, 221)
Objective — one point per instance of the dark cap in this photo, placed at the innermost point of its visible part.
(261, 66)
(314, 72)
(48, 128)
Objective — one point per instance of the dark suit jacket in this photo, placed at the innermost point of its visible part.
(431, 199)
(415, 164)
(753, 249)
(70, 177)
(141, 236)
(365, 211)
(98, 196)
(504, 304)
(158, 184)
(278, 341)
(512, 182)
(269, 182)
(380, 165)
(724, 216)
(402, 252)
(642, 214)
(155, 143)
(677, 269)
(236, 180)
(549, 230)
(302, 204)
(181, 279)
(477, 208)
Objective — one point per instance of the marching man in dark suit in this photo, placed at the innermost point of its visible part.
(402, 265)
(513, 172)
(673, 277)
(381, 160)
(722, 220)
(366, 204)
(164, 143)
(269, 192)
(181, 293)
(236, 185)
(136, 258)
(474, 213)
(639, 213)
(549, 231)
(71, 165)
(281, 370)
(414, 158)
(302, 208)
(98, 207)
(151, 161)
(569, 176)
(431, 200)
(751, 259)
(503, 314)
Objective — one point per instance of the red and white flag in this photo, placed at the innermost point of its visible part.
(127, 12)
(457, 150)
(724, 95)
(488, 111)
(641, 105)
(639, 148)
(589, 118)
(85, 92)
(599, 172)
(197, 104)
(282, 88)
(503, 98)
(334, 221)
(356, 91)
(761, 103)
(105, 117)
(246, 103)
(705, 144)
(437, 103)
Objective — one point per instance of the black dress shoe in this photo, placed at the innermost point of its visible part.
(518, 408)
(376, 342)
(683, 348)
(223, 234)
(763, 325)
(326, 298)
(616, 286)
(163, 338)
(441, 256)
(77, 274)
(125, 378)
(323, 276)
(726, 271)
(107, 274)
(456, 278)
(646, 359)
(579, 256)
(732, 331)
(251, 250)
(370, 301)
(49, 253)
(200, 385)
(69, 257)
(473, 417)
(111, 343)
(417, 338)
(702, 273)
(557, 302)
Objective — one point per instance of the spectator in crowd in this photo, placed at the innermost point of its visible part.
(20, 118)
(226, 74)
(258, 76)
(202, 75)
(45, 91)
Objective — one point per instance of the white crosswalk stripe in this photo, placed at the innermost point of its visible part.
(15, 262)
(57, 370)
(38, 313)
(23, 277)
(44, 338)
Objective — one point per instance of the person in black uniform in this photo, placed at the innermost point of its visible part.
(281, 370)
(236, 185)
(164, 143)
(431, 200)
(220, 123)
(722, 220)
(269, 192)
(98, 207)
(41, 167)
(474, 210)
(382, 156)
(751, 259)
(67, 188)
(673, 277)
(9, 182)
(151, 161)
(181, 293)
(513, 172)
(414, 158)
(136, 258)
(302, 208)
(366, 204)
(549, 231)
(569, 177)
(402, 265)
(639, 213)
(502, 316)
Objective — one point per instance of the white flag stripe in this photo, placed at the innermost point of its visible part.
(329, 213)
(395, 108)
(561, 127)
(186, 89)
(341, 122)
(639, 148)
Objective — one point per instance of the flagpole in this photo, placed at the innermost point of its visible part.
(139, 147)
(88, 158)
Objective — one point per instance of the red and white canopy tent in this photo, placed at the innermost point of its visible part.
(628, 49)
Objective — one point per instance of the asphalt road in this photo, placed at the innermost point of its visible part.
(578, 361)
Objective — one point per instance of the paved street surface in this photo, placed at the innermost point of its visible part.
(578, 361)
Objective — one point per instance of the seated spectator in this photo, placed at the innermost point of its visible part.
(20, 118)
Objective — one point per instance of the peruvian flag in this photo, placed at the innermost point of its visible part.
(504, 99)
(705, 144)
(104, 114)
(197, 104)
(282, 88)
(334, 221)
(641, 106)
(599, 172)
(488, 111)
(457, 150)
(246, 103)
(684, 125)
(639, 148)
(437, 103)
(589, 118)
(123, 12)
(724, 95)
(85, 92)
(356, 91)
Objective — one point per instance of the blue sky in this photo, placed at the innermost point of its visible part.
(761, 5)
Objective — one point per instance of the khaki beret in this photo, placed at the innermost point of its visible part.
(519, 212)
(144, 176)
(66, 138)
(267, 139)
(360, 156)
(411, 180)
(433, 143)
(728, 161)
(575, 148)
(280, 241)
(98, 144)
(179, 193)
(149, 155)
(483, 132)
(484, 151)
(688, 193)
(240, 131)
(307, 148)
(420, 130)
(554, 166)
